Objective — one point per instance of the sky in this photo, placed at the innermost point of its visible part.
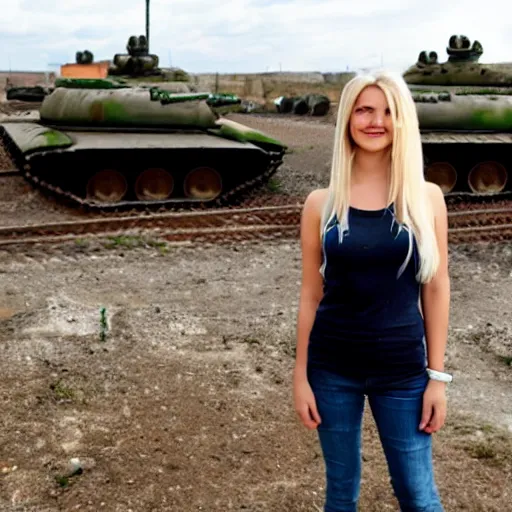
(245, 36)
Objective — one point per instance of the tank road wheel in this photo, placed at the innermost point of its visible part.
(487, 178)
(202, 183)
(154, 184)
(107, 186)
(442, 174)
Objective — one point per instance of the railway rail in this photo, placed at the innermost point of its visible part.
(249, 223)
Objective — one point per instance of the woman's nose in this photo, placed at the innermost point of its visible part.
(378, 119)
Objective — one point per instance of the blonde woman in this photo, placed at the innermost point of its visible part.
(374, 303)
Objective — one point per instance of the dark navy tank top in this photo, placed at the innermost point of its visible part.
(368, 322)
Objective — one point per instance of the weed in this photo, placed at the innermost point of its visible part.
(126, 241)
(103, 324)
(133, 242)
(274, 185)
(61, 391)
(506, 359)
(81, 242)
(63, 481)
(158, 244)
(482, 450)
(494, 449)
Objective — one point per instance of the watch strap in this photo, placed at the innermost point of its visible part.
(441, 376)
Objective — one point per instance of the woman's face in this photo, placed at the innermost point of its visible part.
(370, 123)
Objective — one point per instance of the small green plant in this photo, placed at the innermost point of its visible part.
(63, 481)
(81, 242)
(103, 324)
(274, 185)
(158, 244)
(483, 450)
(133, 242)
(61, 391)
(506, 359)
(126, 241)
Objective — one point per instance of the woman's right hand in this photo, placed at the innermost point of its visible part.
(305, 403)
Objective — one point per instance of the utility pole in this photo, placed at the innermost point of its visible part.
(147, 22)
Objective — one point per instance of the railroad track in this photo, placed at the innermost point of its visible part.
(485, 217)
(249, 223)
(190, 226)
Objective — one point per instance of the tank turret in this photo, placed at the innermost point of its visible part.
(465, 116)
(461, 69)
(137, 61)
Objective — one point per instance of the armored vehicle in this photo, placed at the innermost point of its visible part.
(465, 115)
(105, 145)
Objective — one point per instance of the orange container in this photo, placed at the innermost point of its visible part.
(94, 70)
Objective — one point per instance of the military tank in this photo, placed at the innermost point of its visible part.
(105, 145)
(465, 114)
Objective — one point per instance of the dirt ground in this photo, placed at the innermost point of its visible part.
(186, 404)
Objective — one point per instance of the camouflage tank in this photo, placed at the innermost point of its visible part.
(113, 146)
(465, 115)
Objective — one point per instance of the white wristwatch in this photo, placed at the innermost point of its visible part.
(441, 376)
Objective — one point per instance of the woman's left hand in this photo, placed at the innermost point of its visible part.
(434, 407)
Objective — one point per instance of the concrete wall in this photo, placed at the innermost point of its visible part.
(265, 87)
(24, 78)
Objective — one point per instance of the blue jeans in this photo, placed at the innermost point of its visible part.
(396, 406)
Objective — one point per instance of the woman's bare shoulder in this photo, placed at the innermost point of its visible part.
(436, 197)
(315, 201)
(311, 217)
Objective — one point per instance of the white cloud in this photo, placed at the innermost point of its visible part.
(251, 35)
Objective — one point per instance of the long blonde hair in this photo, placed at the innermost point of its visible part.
(407, 191)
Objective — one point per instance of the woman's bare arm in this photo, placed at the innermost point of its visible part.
(312, 286)
(435, 296)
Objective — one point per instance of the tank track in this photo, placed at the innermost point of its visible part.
(230, 198)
